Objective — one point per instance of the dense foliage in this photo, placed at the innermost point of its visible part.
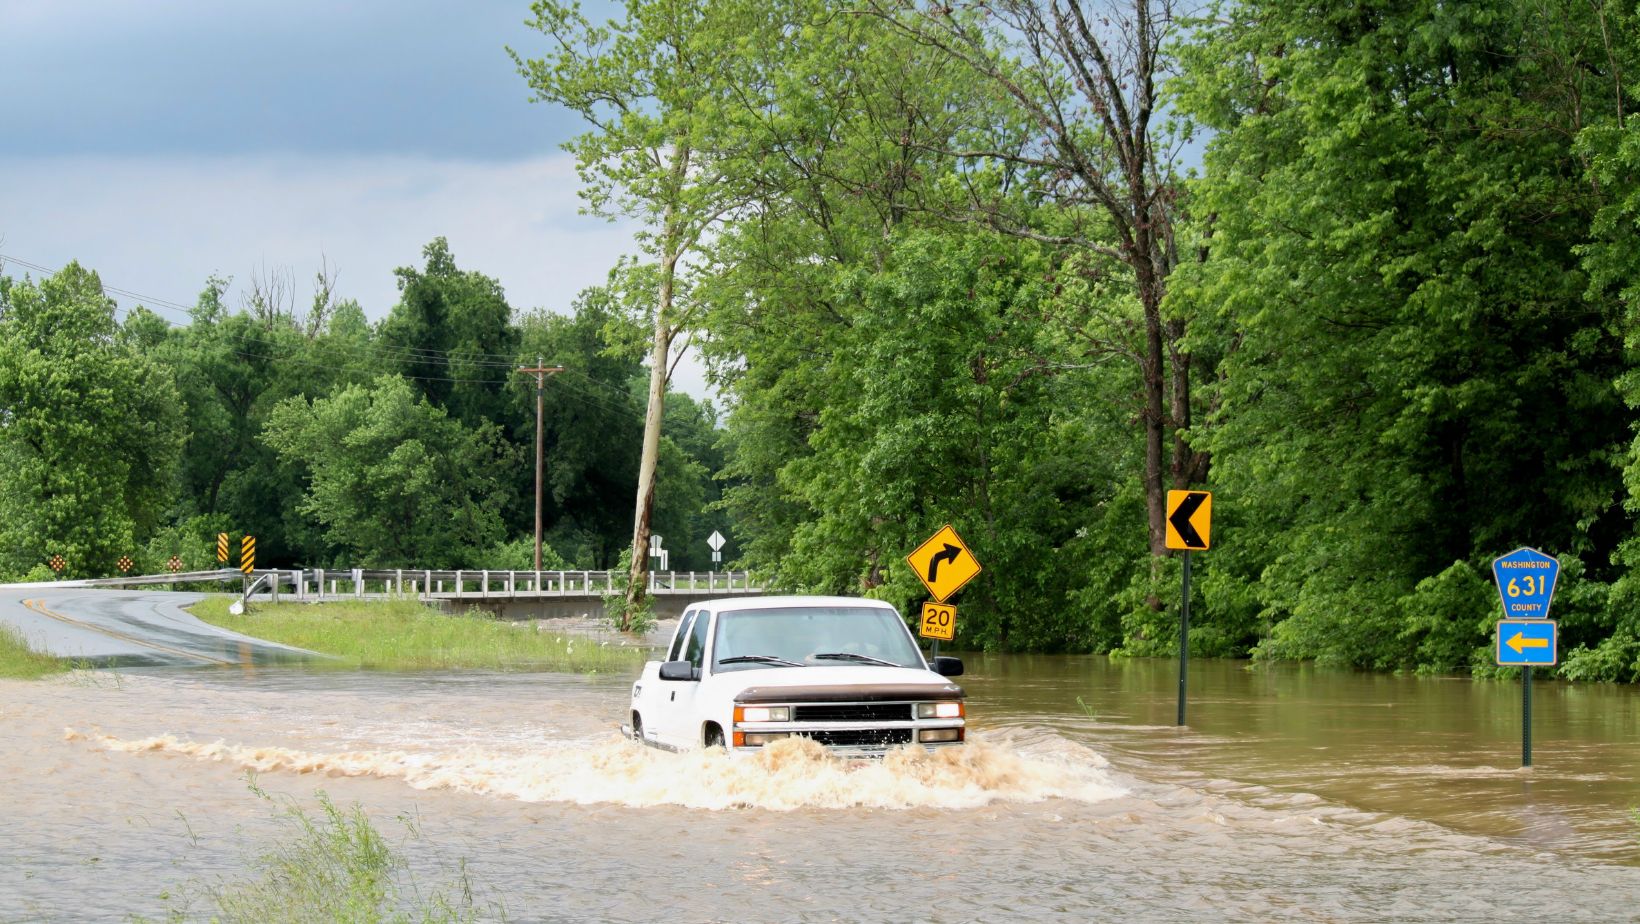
(405, 443)
(1370, 271)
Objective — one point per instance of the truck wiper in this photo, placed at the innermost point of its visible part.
(851, 656)
(759, 659)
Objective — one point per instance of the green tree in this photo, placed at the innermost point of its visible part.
(1399, 214)
(394, 480)
(660, 151)
(451, 334)
(89, 428)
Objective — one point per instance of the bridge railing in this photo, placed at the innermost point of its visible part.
(309, 584)
(463, 584)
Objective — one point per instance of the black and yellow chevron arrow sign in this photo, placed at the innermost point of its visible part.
(247, 554)
(1189, 520)
(222, 547)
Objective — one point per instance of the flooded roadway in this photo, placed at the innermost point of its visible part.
(1298, 795)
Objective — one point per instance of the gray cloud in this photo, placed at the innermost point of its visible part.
(187, 76)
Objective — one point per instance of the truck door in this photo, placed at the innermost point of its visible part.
(681, 727)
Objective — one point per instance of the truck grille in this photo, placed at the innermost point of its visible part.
(854, 712)
(859, 737)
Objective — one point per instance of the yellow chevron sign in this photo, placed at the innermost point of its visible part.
(247, 554)
(222, 547)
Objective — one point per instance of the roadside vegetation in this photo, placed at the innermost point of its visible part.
(20, 662)
(333, 865)
(405, 636)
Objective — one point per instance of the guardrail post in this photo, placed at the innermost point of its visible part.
(319, 583)
(398, 575)
(358, 583)
(484, 584)
(427, 582)
(459, 588)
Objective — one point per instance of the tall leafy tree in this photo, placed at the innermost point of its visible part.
(452, 335)
(1422, 380)
(659, 151)
(394, 480)
(89, 428)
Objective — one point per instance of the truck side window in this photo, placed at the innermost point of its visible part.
(683, 633)
(696, 652)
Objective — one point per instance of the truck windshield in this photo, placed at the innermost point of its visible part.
(800, 633)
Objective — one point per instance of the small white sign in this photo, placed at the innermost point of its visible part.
(715, 540)
(654, 544)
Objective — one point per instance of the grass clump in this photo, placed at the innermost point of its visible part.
(333, 865)
(406, 635)
(20, 662)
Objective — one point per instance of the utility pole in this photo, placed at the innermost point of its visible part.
(540, 372)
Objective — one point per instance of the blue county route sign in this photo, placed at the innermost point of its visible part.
(1526, 643)
(1526, 583)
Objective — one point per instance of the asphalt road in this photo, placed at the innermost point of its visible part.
(130, 628)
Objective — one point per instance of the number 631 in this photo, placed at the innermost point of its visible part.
(1533, 585)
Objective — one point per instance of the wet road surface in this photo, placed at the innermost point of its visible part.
(103, 628)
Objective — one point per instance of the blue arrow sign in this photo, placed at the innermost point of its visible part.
(1527, 643)
(1526, 583)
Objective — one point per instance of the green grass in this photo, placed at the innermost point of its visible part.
(20, 662)
(332, 866)
(406, 635)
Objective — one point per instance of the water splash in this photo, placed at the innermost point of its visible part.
(787, 775)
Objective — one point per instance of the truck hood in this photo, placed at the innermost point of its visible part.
(851, 682)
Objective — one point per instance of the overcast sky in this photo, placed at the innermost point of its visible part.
(160, 142)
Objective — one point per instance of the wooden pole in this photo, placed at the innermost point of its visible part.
(540, 371)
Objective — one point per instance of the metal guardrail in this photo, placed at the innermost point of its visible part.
(504, 585)
(312, 584)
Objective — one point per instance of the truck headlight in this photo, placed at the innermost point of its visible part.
(940, 711)
(758, 739)
(763, 713)
(940, 734)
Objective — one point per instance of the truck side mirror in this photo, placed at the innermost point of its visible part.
(678, 670)
(944, 666)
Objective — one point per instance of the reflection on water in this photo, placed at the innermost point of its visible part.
(1296, 794)
(1445, 750)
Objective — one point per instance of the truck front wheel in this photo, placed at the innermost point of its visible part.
(714, 736)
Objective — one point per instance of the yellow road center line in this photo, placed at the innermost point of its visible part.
(39, 607)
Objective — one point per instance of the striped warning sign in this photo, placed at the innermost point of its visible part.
(222, 547)
(125, 564)
(247, 554)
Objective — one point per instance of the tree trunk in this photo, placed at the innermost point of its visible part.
(1154, 418)
(637, 586)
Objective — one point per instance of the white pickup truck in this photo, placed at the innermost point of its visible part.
(846, 672)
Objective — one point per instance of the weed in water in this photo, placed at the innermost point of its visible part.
(1087, 709)
(333, 865)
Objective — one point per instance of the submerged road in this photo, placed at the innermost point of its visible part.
(124, 627)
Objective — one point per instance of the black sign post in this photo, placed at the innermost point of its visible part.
(1189, 526)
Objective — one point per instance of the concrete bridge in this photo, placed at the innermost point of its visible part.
(509, 594)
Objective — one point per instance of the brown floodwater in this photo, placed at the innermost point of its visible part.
(1295, 794)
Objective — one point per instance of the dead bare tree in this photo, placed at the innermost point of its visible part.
(1085, 79)
(272, 295)
(324, 299)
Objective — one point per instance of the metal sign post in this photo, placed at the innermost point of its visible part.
(1527, 637)
(1189, 526)
(1184, 640)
